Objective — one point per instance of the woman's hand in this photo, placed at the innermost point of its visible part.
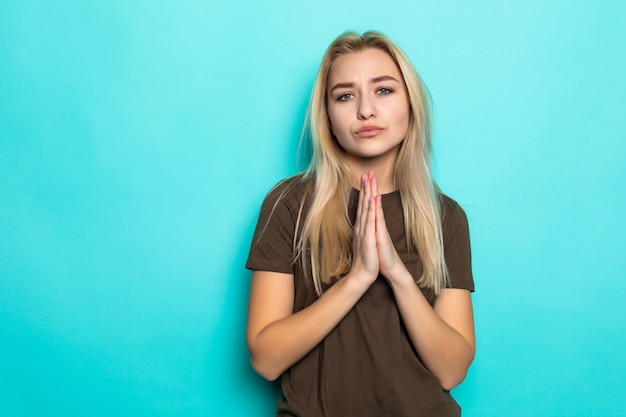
(365, 264)
(390, 264)
(373, 250)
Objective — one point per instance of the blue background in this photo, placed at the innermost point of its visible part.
(137, 140)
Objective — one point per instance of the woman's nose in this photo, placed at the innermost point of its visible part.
(366, 108)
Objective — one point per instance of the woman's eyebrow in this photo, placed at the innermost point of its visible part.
(341, 85)
(383, 78)
(372, 81)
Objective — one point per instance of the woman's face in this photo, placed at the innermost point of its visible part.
(368, 105)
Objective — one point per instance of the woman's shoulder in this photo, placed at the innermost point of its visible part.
(448, 202)
(451, 211)
(291, 190)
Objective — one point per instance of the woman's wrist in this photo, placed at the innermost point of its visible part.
(400, 279)
(358, 282)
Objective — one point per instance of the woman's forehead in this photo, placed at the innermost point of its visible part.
(368, 64)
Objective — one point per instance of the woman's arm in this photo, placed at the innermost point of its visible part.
(444, 335)
(277, 338)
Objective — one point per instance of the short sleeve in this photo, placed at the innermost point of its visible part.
(456, 243)
(272, 243)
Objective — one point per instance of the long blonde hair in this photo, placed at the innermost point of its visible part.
(326, 230)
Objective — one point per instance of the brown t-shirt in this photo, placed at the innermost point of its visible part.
(367, 365)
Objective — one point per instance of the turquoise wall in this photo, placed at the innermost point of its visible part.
(138, 138)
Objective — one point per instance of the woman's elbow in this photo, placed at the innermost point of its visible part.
(451, 381)
(262, 363)
(456, 374)
(264, 370)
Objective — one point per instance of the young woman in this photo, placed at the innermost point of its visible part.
(361, 282)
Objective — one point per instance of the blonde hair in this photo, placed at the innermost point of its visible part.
(326, 231)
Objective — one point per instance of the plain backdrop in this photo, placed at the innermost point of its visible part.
(138, 139)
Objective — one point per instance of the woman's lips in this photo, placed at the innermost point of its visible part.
(369, 131)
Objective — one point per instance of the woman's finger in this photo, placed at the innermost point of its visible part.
(366, 190)
(374, 183)
(388, 258)
(359, 209)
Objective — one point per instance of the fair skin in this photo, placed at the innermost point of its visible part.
(369, 111)
(368, 107)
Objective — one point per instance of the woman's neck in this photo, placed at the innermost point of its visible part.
(383, 169)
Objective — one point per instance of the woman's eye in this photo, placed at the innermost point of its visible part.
(345, 97)
(383, 91)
